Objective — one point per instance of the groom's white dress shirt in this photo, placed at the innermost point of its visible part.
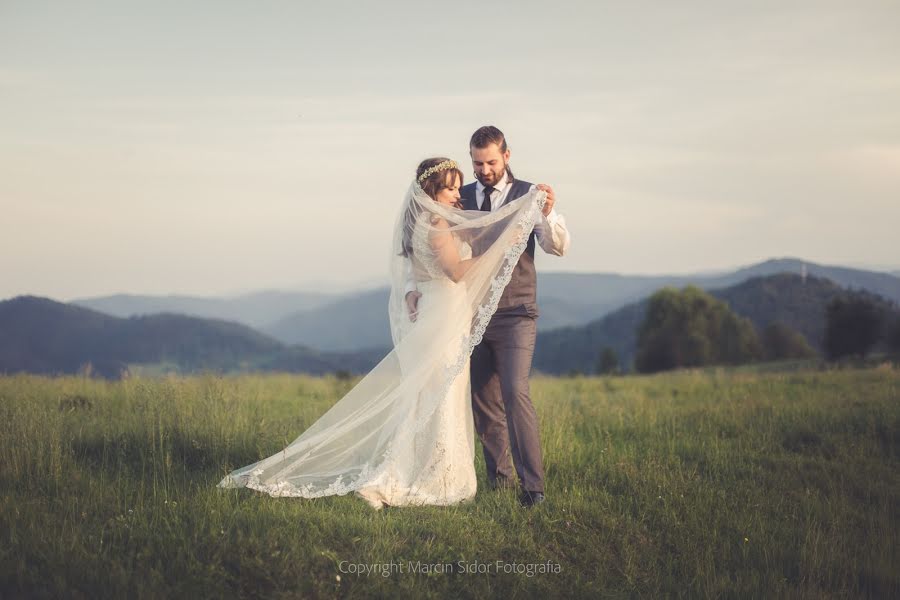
(550, 231)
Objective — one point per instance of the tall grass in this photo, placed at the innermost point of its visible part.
(717, 483)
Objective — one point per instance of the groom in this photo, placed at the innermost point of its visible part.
(501, 404)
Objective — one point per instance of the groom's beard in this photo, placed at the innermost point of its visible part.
(490, 179)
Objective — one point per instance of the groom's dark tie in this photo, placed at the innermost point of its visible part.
(486, 205)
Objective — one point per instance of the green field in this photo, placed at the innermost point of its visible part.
(715, 483)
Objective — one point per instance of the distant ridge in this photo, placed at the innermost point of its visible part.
(565, 300)
(255, 309)
(40, 335)
(788, 298)
(358, 321)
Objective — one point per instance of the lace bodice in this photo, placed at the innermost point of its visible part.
(426, 265)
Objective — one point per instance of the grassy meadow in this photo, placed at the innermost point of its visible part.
(703, 484)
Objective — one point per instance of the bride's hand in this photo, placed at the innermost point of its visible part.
(412, 304)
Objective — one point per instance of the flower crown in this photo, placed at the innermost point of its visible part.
(447, 164)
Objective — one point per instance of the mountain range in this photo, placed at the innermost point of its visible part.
(349, 332)
(354, 321)
(41, 335)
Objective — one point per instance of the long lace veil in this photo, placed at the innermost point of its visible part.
(460, 261)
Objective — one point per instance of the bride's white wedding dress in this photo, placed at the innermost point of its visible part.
(404, 435)
(434, 428)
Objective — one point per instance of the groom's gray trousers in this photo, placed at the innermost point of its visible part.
(501, 402)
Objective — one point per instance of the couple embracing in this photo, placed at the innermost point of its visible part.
(463, 316)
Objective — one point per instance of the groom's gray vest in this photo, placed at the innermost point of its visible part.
(522, 287)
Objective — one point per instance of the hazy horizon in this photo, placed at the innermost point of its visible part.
(215, 148)
(363, 285)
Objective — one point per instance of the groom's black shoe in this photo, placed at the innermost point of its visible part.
(528, 499)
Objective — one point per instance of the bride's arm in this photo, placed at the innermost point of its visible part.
(445, 248)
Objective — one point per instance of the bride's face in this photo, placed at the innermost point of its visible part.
(450, 193)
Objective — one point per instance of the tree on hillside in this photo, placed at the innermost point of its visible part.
(609, 362)
(780, 342)
(893, 337)
(691, 328)
(853, 325)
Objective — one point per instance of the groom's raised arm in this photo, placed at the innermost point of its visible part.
(551, 231)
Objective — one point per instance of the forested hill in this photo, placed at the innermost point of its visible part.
(787, 298)
(40, 335)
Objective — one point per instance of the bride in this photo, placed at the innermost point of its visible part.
(404, 434)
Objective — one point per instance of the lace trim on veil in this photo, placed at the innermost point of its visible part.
(350, 482)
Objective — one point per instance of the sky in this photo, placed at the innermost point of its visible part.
(223, 147)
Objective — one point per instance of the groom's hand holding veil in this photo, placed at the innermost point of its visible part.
(551, 198)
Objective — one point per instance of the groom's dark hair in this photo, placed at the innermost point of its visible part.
(487, 135)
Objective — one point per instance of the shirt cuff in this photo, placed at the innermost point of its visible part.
(552, 218)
